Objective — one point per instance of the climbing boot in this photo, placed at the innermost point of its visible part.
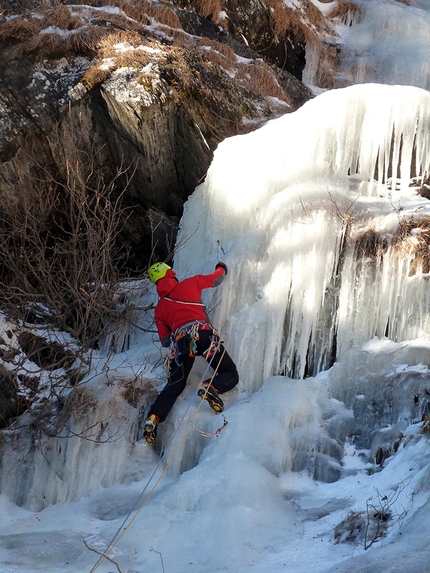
(207, 392)
(150, 428)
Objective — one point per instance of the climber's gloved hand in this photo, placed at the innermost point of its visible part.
(222, 265)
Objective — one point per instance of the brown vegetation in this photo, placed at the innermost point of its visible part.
(65, 29)
(346, 12)
(79, 403)
(71, 29)
(308, 20)
(55, 32)
(210, 9)
(135, 388)
(58, 253)
(260, 78)
(370, 245)
(141, 10)
(416, 246)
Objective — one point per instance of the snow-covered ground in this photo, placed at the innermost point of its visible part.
(233, 511)
(293, 474)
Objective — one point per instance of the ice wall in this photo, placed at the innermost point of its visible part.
(306, 210)
(389, 45)
(45, 463)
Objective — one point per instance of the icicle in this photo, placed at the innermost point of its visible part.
(289, 203)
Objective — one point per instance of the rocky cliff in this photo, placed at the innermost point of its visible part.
(140, 94)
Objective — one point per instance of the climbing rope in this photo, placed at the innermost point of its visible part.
(123, 528)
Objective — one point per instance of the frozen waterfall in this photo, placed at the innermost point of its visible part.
(401, 43)
(319, 219)
(323, 229)
(322, 219)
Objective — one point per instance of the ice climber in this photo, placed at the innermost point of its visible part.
(184, 327)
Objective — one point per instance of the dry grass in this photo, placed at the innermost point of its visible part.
(424, 190)
(260, 78)
(69, 33)
(173, 63)
(317, 23)
(218, 53)
(79, 30)
(346, 12)
(100, 38)
(20, 29)
(284, 18)
(133, 389)
(210, 9)
(94, 76)
(327, 66)
(257, 76)
(218, 59)
(425, 429)
(166, 16)
(83, 41)
(220, 48)
(181, 39)
(107, 45)
(308, 21)
(93, 3)
(142, 10)
(62, 18)
(416, 245)
(80, 402)
(138, 10)
(100, 72)
(371, 245)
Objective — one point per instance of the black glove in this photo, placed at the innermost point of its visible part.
(165, 342)
(223, 266)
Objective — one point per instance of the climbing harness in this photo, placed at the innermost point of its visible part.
(214, 434)
(184, 342)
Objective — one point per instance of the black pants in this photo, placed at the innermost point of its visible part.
(225, 379)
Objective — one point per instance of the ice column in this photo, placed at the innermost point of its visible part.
(288, 203)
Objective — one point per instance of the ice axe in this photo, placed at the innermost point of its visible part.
(219, 249)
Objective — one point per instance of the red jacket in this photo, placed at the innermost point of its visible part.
(180, 301)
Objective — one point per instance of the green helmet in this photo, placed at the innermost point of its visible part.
(158, 271)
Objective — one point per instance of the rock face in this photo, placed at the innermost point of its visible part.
(148, 125)
(253, 26)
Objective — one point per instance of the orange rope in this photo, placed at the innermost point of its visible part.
(214, 434)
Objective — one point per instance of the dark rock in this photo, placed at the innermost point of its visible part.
(46, 354)
(150, 134)
(12, 404)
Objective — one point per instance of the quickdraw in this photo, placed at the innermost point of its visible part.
(214, 434)
(214, 345)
